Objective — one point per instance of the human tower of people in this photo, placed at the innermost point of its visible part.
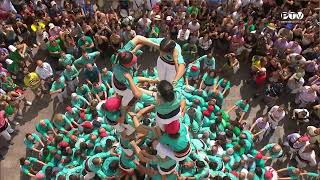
(151, 126)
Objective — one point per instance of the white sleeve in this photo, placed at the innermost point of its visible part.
(186, 35)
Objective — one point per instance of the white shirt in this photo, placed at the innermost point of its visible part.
(45, 71)
(275, 114)
(307, 96)
(193, 27)
(205, 44)
(295, 85)
(183, 35)
(262, 125)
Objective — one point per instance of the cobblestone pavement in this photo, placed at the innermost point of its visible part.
(45, 107)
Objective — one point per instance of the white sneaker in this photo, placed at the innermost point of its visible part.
(10, 131)
(29, 103)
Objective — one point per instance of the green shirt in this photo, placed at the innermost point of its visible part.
(119, 71)
(90, 60)
(191, 73)
(56, 48)
(30, 144)
(223, 85)
(87, 40)
(71, 74)
(43, 130)
(58, 85)
(128, 162)
(210, 63)
(101, 88)
(179, 143)
(209, 80)
(85, 90)
(105, 167)
(244, 107)
(79, 102)
(98, 169)
(167, 107)
(106, 77)
(67, 59)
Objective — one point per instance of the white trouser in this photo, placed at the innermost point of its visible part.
(273, 122)
(73, 83)
(89, 175)
(127, 94)
(166, 71)
(6, 133)
(62, 95)
(161, 122)
(261, 135)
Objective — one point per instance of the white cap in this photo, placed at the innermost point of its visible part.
(51, 25)
(12, 48)
(169, 18)
(9, 61)
(74, 95)
(53, 3)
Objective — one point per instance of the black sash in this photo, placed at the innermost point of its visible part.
(169, 115)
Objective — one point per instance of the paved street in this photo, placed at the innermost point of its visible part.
(45, 107)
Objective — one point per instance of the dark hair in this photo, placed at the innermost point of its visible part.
(48, 171)
(83, 146)
(200, 164)
(258, 171)
(213, 165)
(90, 146)
(22, 160)
(58, 139)
(61, 177)
(114, 165)
(28, 134)
(165, 89)
(108, 143)
(98, 149)
(229, 134)
(167, 45)
(73, 177)
(226, 178)
(124, 57)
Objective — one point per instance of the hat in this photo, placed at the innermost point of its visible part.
(157, 18)
(87, 124)
(272, 26)
(12, 48)
(9, 61)
(113, 104)
(304, 138)
(173, 127)
(210, 108)
(82, 115)
(63, 144)
(40, 175)
(206, 113)
(194, 68)
(103, 134)
(51, 25)
(53, 3)
(235, 173)
(69, 109)
(268, 175)
(127, 59)
(169, 18)
(74, 95)
(259, 155)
